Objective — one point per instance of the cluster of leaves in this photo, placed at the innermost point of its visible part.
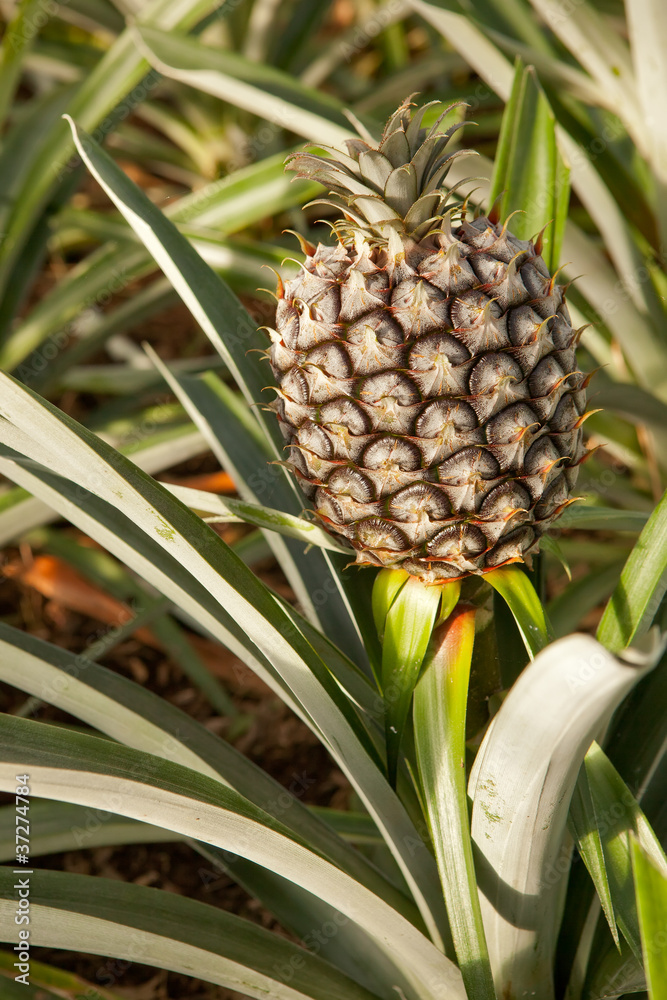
(481, 907)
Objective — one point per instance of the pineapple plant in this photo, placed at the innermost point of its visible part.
(463, 887)
(428, 389)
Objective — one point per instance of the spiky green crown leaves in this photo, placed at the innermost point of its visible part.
(395, 185)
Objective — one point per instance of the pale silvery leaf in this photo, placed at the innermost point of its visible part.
(521, 785)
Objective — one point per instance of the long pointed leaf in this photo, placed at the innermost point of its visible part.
(127, 712)
(277, 651)
(516, 589)
(222, 317)
(216, 309)
(126, 921)
(439, 716)
(86, 770)
(530, 174)
(227, 510)
(618, 817)
(637, 597)
(262, 90)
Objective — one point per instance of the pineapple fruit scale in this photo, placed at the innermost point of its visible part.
(428, 390)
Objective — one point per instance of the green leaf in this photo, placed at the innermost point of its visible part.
(102, 698)
(260, 89)
(530, 174)
(98, 773)
(550, 545)
(386, 587)
(20, 512)
(354, 827)
(217, 310)
(515, 588)
(647, 25)
(116, 580)
(637, 748)
(439, 722)
(228, 510)
(601, 50)
(521, 785)
(581, 596)
(584, 825)
(636, 599)
(651, 892)
(619, 816)
(121, 74)
(133, 715)
(451, 591)
(359, 688)
(407, 631)
(592, 518)
(58, 827)
(132, 922)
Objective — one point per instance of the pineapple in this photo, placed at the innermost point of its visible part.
(427, 385)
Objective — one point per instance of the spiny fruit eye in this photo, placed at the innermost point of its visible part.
(426, 370)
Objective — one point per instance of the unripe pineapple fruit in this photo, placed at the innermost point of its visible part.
(427, 384)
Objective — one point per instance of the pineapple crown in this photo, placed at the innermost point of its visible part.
(394, 186)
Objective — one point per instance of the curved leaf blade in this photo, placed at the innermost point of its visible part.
(515, 588)
(83, 769)
(136, 717)
(260, 89)
(217, 310)
(228, 510)
(619, 819)
(127, 921)
(521, 784)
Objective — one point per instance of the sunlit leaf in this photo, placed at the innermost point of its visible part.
(439, 718)
(516, 589)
